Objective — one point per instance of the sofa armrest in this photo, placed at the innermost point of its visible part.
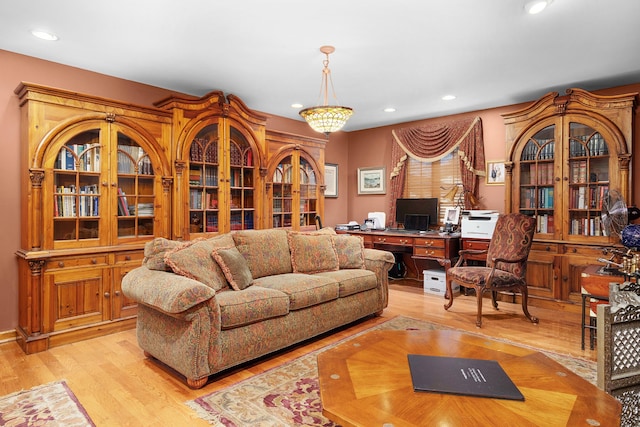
(165, 291)
(380, 262)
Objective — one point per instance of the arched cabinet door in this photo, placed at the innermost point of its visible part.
(294, 190)
(103, 186)
(218, 165)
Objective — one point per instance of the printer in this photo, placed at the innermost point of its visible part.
(477, 224)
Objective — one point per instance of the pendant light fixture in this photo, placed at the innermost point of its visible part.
(326, 118)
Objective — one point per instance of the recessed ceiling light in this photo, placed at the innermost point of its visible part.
(448, 97)
(296, 105)
(44, 35)
(389, 110)
(536, 6)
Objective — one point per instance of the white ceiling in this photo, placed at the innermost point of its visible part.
(405, 53)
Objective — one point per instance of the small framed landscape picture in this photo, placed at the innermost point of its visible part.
(495, 172)
(331, 180)
(371, 180)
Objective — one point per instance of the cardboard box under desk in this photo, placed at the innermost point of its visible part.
(435, 282)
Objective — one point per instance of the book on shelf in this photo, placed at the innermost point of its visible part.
(123, 206)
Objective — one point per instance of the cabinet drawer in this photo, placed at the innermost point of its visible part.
(76, 262)
(429, 242)
(475, 245)
(551, 248)
(393, 240)
(124, 257)
(428, 251)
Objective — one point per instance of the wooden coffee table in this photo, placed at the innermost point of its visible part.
(366, 382)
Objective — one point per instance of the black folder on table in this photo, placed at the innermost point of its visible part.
(454, 375)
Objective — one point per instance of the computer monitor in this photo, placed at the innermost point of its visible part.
(424, 206)
(416, 222)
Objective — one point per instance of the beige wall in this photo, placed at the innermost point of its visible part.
(350, 151)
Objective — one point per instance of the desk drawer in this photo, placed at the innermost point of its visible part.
(429, 242)
(393, 240)
(428, 251)
(475, 245)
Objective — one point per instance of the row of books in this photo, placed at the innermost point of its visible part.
(68, 202)
(210, 176)
(531, 198)
(545, 224)
(240, 157)
(203, 151)
(133, 159)
(282, 205)
(537, 173)
(84, 157)
(587, 197)
(543, 150)
(595, 146)
(586, 226)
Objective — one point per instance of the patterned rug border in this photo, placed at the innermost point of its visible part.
(309, 412)
(22, 402)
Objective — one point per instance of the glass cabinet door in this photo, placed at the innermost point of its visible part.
(242, 208)
(537, 178)
(283, 194)
(77, 191)
(135, 199)
(204, 168)
(588, 165)
(308, 194)
(211, 182)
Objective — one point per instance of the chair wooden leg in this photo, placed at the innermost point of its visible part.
(525, 297)
(448, 294)
(494, 299)
(479, 292)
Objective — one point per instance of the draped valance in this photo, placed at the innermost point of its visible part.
(430, 143)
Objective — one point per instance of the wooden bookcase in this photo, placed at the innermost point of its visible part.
(101, 178)
(219, 162)
(564, 154)
(295, 180)
(95, 185)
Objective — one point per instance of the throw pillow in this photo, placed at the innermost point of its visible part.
(266, 251)
(194, 260)
(154, 251)
(350, 250)
(234, 267)
(312, 252)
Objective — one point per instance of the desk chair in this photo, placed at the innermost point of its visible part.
(506, 264)
(618, 345)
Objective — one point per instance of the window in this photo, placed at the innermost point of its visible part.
(439, 179)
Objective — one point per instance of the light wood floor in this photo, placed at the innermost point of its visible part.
(119, 387)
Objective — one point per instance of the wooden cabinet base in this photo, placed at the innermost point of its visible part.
(37, 343)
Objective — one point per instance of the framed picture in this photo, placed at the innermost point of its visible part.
(371, 180)
(452, 215)
(331, 180)
(495, 172)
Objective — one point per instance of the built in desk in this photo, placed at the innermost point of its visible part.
(431, 246)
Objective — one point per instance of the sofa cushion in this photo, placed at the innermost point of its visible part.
(312, 252)
(250, 305)
(304, 290)
(194, 261)
(266, 251)
(234, 267)
(154, 251)
(350, 250)
(352, 281)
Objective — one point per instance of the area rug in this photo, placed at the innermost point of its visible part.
(289, 395)
(52, 404)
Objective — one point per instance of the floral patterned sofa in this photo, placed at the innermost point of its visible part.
(211, 304)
